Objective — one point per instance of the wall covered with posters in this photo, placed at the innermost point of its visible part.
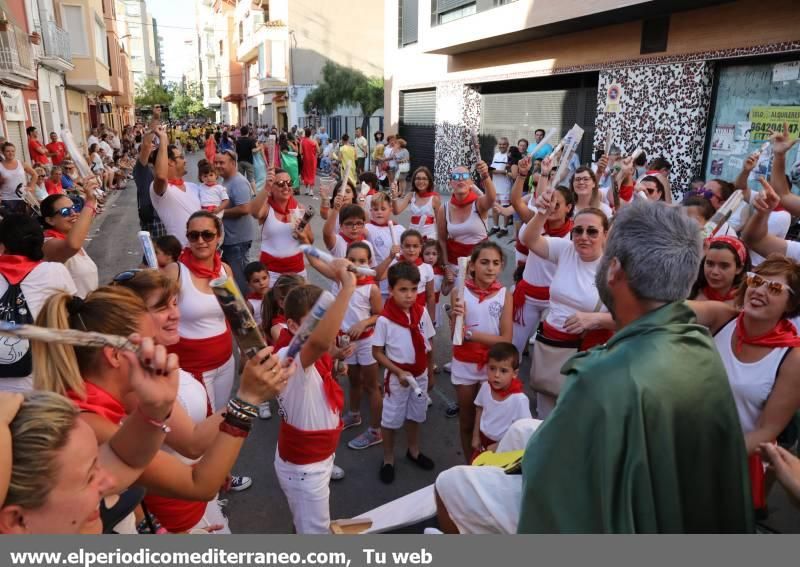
(662, 109)
(458, 119)
(751, 100)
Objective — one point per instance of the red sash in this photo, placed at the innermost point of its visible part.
(456, 250)
(476, 353)
(301, 447)
(196, 356)
(422, 299)
(523, 290)
(416, 218)
(587, 340)
(294, 264)
(554, 334)
(485, 442)
(410, 321)
(176, 516)
(368, 332)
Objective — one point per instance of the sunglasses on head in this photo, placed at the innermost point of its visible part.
(460, 176)
(126, 276)
(67, 212)
(591, 232)
(773, 287)
(206, 235)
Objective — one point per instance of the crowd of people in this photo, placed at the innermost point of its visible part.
(660, 334)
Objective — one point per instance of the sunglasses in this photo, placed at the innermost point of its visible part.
(126, 276)
(591, 232)
(67, 212)
(460, 176)
(283, 183)
(774, 288)
(206, 235)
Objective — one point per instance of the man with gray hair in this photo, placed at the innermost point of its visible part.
(641, 437)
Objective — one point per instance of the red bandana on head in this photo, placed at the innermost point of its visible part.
(409, 321)
(15, 268)
(783, 335)
(515, 387)
(188, 259)
(481, 293)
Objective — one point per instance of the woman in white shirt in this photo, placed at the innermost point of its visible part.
(587, 193)
(12, 174)
(67, 225)
(574, 301)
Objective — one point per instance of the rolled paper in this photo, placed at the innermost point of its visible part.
(391, 233)
(609, 141)
(550, 133)
(571, 141)
(310, 323)
(723, 214)
(148, 249)
(343, 341)
(458, 326)
(412, 383)
(364, 187)
(65, 336)
(75, 154)
(307, 216)
(243, 325)
(312, 252)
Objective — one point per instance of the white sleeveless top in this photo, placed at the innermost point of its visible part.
(193, 397)
(484, 318)
(12, 178)
(201, 315)
(751, 382)
(471, 231)
(359, 307)
(427, 230)
(276, 237)
(83, 271)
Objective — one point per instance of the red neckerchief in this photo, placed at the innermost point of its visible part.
(290, 204)
(366, 280)
(514, 388)
(188, 259)
(254, 295)
(324, 365)
(712, 294)
(351, 240)
(438, 270)
(783, 335)
(384, 225)
(53, 233)
(418, 262)
(98, 401)
(177, 182)
(15, 268)
(561, 231)
(409, 321)
(480, 292)
(426, 194)
(471, 197)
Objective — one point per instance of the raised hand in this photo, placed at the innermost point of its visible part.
(781, 143)
(482, 169)
(153, 376)
(263, 377)
(524, 166)
(768, 200)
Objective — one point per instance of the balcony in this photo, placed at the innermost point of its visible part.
(16, 61)
(272, 85)
(57, 53)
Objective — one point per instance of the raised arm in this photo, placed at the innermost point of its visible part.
(258, 206)
(486, 201)
(533, 237)
(519, 204)
(781, 144)
(57, 250)
(754, 234)
(712, 314)
(161, 170)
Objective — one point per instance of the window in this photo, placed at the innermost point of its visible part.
(100, 42)
(457, 13)
(72, 16)
(407, 22)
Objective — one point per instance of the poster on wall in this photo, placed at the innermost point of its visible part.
(766, 119)
(742, 131)
(786, 72)
(722, 140)
(13, 104)
(613, 98)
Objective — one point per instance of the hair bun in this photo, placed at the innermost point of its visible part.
(74, 305)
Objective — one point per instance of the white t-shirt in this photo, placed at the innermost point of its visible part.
(778, 225)
(303, 403)
(573, 288)
(175, 207)
(498, 416)
(425, 275)
(793, 250)
(212, 195)
(46, 279)
(502, 183)
(396, 340)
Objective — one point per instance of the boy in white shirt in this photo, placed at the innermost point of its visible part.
(213, 196)
(500, 401)
(401, 344)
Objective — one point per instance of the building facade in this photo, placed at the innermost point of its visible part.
(141, 45)
(209, 32)
(693, 82)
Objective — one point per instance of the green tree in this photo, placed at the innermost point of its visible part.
(151, 93)
(346, 86)
(187, 101)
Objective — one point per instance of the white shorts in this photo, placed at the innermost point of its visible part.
(401, 404)
(504, 198)
(466, 373)
(307, 488)
(273, 277)
(362, 356)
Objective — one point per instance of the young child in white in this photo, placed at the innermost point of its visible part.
(442, 279)
(258, 285)
(213, 196)
(381, 235)
(311, 406)
(401, 344)
(501, 400)
(411, 252)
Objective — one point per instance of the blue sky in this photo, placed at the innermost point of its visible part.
(176, 23)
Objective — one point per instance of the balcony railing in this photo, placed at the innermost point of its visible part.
(56, 42)
(15, 53)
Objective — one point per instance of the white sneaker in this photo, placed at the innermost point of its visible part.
(430, 401)
(264, 411)
(337, 473)
(433, 531)
(447, 367)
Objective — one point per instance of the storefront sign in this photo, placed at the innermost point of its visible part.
(613, 97)
(771, 118)
(786, 72)
(13, 104)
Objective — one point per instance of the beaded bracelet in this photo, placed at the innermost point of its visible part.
(234, 421)
(239, 415)
(244, 406)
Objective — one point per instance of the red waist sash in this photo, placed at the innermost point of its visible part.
(416, 218)
(301, 447)
(176, 516)
(477, 353)
(523, 290)
(283, 265)
(456, 250)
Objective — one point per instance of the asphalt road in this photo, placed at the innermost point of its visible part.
(262, 508)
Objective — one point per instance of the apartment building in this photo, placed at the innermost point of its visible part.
(141, 44)
(697, 82)
(230, 84)
(209, 31)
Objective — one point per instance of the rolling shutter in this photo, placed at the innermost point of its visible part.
(418, 125)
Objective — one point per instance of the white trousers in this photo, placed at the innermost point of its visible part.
(219, 383)
(486, 500)
(213, 516)
(307, 488)
(532, 313)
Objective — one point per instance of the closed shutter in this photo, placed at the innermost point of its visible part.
(418, 125)
(76, 128)
(36, 118)
(47, 110)
(408, 21)
(518, 115)
(17, 136)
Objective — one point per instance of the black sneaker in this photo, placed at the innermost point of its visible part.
(451, 411)
(421, 461)
(387, 473)
(503, 233)
(494, 231)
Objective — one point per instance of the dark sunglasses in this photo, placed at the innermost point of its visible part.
(591, 232)
(126, 276)
(67, 212)
(206, 235)
(460, 176)
(283, 183)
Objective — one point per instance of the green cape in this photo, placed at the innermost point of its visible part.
(644, 438)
